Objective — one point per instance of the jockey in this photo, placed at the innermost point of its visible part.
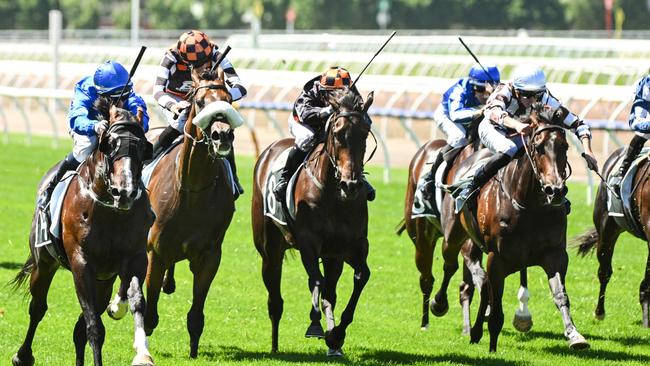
(505, 106)
(109, 80)
(459, 111)
(310, 113)
(639, 120)
(194, 50)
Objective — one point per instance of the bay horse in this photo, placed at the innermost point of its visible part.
(192, 196)
(331, 219)
(105, 219)
(521, 220)
(603, 237)
(424, 232)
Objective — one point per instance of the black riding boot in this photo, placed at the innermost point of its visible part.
(295, 157)
(231, 160)
(482, 175)
(632, 151)
(164, 141)
(68, 163)
(428, 186)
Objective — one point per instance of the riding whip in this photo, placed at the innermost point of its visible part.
(476, 59)
(133, 68)
(220, 58)
(373, 57)
(600, 176)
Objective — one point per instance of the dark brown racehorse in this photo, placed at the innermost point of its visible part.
(607, 230)
(521, 219)
(425, 232)
(192, 197)
(105, 220)
(331, 219)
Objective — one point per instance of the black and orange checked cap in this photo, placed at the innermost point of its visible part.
(194, 47)
(335, 78)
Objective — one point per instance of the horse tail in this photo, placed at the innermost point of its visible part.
(586, 242)
(24, 273)
(401, 226)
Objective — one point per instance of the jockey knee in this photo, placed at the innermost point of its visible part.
(457, 142)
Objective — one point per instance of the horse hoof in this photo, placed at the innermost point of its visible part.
(599, 316)
(117, 311)
(522, 323)
(169, 287)
(439, 309)
(16, 361)
(424, 327)
(315, 331)
(142, 360)
(466, 332)
(332, 352)
(577, 341)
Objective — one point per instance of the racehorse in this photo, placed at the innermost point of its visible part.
(331, 219)
(520, 219)
(424, 232)
(105, 219)
(607, 230)
(192, 196)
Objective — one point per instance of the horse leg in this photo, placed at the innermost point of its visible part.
(169, 284)
(316, 282)
(439, 304)
(472, 259)
(272, 276)
(118, 307)
(40, 281)
(644, 292)
(424, 247)
(336, 337)
(496, 276)
(555, 265)
(204, 273)
(523, 320)
(103, 294)
(136, 271)
(476, 332)
(332, 269)
(604, 252)
(85, 285)
(154, 278)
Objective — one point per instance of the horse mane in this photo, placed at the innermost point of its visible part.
(540, 113)
(210, 75)
(102, 106)
(348, 99)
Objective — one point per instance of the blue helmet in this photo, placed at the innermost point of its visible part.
(110, 77)
(479, 76)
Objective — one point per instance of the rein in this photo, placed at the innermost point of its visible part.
(529, 155)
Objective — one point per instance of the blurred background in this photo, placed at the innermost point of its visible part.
(592, 51)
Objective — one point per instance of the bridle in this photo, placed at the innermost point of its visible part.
(531, 152)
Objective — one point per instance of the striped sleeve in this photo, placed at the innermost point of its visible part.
(165, 70)
(237, 90)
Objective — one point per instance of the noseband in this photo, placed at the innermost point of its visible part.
(206, 139)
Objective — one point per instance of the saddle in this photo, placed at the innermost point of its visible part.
(620, 206)
(282, 213)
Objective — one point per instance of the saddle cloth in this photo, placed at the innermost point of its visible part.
(272, 207)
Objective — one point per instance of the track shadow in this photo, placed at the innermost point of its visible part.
(11, 265)
(598, 355)
(631, 340)
(362, 356)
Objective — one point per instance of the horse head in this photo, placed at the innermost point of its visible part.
(213, 113)
(547, 150)
(122, 149)
(347, 130)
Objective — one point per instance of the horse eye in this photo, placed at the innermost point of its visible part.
(200, 103)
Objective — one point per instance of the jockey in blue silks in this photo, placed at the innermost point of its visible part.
(639, 120)
(460, 109)
(84, 122)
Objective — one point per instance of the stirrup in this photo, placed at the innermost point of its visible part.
(464, 196)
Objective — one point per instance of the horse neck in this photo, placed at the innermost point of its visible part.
(520, 183)
(195, 168)
(321, 167)
(94, 174)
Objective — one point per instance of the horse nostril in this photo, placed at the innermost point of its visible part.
(549, 190)
(115, 192)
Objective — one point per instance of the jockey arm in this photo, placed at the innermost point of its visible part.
(310, 109)
(80, 117)
(237, 90)
(459, 99)
(133, 103)
(639, 118)
(495, 110)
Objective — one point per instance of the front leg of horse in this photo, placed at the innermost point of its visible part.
(84, 280)
(332, 269)
(137, 306)
(523, 319)
(154, 278)
(439, 304)
(336, 337)
(119, 306)
(204, 271)
(169, 283)
(496, 277)
(465, 296)
(576, 340)
(644, 294)
(316, 282)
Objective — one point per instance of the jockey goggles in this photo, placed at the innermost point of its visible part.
(115, 94)
(530, 94)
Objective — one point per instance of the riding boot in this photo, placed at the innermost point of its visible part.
(239, 190)
(428, 184)
(482, 175)
(295, 157)
(165, 140)
(68, 163)
(632, 151)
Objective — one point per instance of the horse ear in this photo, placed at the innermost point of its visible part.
(369, 99)
(112, 113)
(139, 115)
(220, 73)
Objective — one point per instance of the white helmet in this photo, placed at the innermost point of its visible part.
(529, 77)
